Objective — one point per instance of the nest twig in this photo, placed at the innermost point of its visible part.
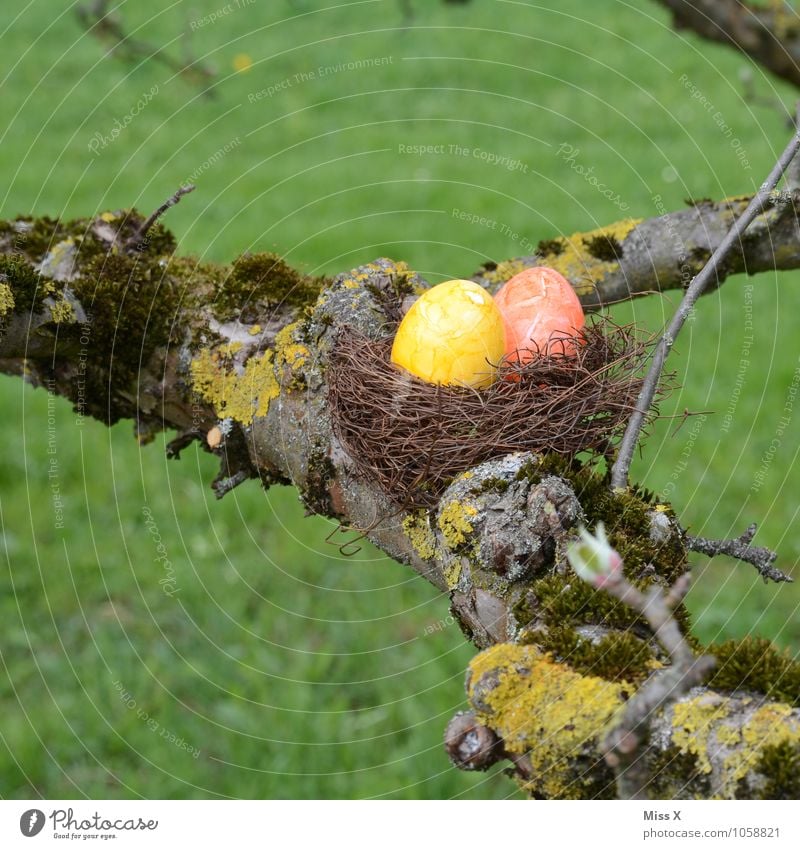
(413, 437)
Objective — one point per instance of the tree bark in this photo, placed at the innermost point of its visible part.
(769, 35)
(236, 357)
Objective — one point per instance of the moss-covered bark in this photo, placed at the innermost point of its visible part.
(236, 357)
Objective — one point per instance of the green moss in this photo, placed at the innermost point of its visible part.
(44, 232)
(755, 664)
(158, 241)
(677, 774)
(551, 247)
(560, 600)
(604, 247)
(616, 657)
(498, 485)
(780, 766)
(315, 493)
(580, 266)
(624, 514)
(258, 283)
(26, 288)
(698, 202)
(132, 310)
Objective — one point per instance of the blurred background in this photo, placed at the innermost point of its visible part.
(275, 667)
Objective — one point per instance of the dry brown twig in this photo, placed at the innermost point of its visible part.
(106, 25)
(761, 200)
(597, 563)
(622, 745)
(140, 234)
(740, 549)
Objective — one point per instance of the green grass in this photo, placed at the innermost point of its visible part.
(294, 671)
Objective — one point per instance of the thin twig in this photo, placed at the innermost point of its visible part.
(106, 23)
(136, 239)
(740, 548)
(621, 744)
(764, 196)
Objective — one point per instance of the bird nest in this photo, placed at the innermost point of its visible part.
(414, 437)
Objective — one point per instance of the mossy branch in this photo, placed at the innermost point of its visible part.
(768, 34)
(635, 258)
(236, 357)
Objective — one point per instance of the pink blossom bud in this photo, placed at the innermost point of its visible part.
(593, 559)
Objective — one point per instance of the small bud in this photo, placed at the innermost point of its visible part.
(593, 559)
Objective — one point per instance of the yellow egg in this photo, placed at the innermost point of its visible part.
(453, 334)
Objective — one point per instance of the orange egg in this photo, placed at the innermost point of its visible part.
(541, 313)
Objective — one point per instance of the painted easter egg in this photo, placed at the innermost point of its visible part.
(453, 334)
(541, 313)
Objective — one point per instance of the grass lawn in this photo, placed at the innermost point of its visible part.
(278, 668)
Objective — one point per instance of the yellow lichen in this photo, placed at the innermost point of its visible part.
(692, 724)
(255, 330)
(238, 395)
(287, 350)
(504, 271)
(418, 530)
(545, 710)
(571, 257)
(451, 571)
(454, 522)
(62, 311)
(576, 262)
(106, 216)
(6, 299)
(769, 725)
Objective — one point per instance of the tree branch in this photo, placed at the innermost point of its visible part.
(621, 744)
(236, 358)
(635, 258)
(619, 472)
(769, 35)
(740, 548)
